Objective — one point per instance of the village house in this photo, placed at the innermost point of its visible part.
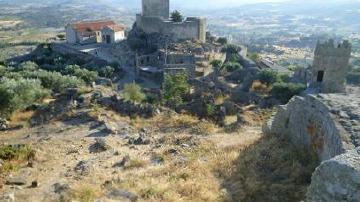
(89, 32)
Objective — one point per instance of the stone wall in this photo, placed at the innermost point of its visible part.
(331, 61)
(153, 8)
(329, 125)
(191, 28)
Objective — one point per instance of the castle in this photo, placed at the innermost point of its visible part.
(155, 19)
(330, 66)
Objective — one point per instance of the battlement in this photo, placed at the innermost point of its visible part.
(330, 49)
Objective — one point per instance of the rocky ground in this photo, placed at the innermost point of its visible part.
(165, 158)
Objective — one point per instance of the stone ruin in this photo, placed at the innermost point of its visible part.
(155, 19)
(330, 66)
(329, 69)
(329, 125)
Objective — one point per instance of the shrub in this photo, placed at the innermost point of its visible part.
(283, 78)
(255, 57)
(232, 66)
(54, 80)
(176, 16)
(3, 70)
(285, 91)
(217, 65)
(231, 49)
(222, 40)
(133, 93)
(234, 57)
(84, 74)
(152, 98)
(19, 94)
(176, 87)
(27, 66)
(107, 71)
(267, 76)
(259, 87)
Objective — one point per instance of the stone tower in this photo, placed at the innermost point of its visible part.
(330, 66)
(156, 8)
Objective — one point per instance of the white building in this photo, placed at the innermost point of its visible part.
(112, 34)
(94, 32)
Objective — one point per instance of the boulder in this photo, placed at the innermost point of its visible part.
(100, 145)
(122, 195)
(4, 124)
(141, 140)
(324, 123)
(61, 188)
(83, 168)
(337, 179)
(16, 181)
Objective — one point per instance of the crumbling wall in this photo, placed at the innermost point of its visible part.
(330, 66)
(329, 125)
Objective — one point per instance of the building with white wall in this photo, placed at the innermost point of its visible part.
(88, 32)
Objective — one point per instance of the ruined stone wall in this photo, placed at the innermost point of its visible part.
(333, 61)
(328, 124)
(191, 28)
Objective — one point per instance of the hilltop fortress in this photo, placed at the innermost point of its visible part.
(155, 19)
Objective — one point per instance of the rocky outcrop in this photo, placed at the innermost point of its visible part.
(337, 179)
(4, 124)
(329, 125)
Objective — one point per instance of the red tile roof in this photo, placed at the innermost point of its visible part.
(90, 27)
(116, 28)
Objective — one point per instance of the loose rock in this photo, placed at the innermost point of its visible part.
(99, 146)
(83, 168)
(16, 181)
(119, 194)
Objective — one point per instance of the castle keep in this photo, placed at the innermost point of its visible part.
(330, 66)
(155, 19)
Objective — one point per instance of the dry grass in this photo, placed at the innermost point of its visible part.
(259, 87)
(192, 175)
(21, 118)
(270, 170)
(14, 157)
(136, 162)
(84, 194)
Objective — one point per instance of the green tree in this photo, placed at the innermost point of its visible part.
(107, 71)
(222, 40)
(176, 16)
(217, 64)
(231, 49)
(133, 93)
(255, 57)
(175, 88)
(27, 66)
(232, 66)
(19, 94)
(285, 91)
(84, 74)
(268, 76)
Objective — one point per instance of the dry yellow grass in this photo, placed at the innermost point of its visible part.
(259, 87)
(21, 118)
